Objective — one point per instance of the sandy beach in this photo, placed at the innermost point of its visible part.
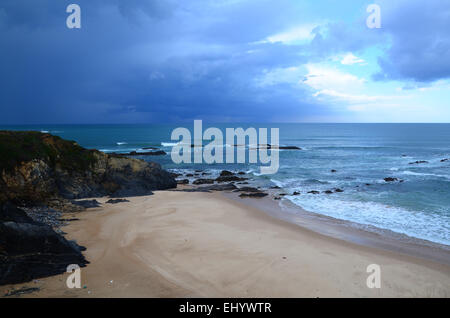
(194, 244)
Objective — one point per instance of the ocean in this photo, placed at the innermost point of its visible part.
(417, 205)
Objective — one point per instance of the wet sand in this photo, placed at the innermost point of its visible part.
(194, 244)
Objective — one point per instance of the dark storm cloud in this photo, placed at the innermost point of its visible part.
(420, 40)
(141, 61)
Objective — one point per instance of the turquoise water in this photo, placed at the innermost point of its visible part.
(361, 153)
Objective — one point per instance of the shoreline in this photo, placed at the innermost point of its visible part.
(196, 244)
(349, 231)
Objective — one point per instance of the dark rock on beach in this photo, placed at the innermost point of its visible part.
(219, 187)
(225, 173)
(333, 170)
(29, 249)
(296, 193)
(328, 192)
(209, 188)
(247, 189)
(115, 201)
(22, 291)
(338, 190)
(253, 195)
(314, 192)
(87, 203)
(230, 178)
(446, 159)
(183, 181)
(203, 181)
(390, 179)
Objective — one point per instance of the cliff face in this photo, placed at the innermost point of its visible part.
(37, 167)
(41, 169)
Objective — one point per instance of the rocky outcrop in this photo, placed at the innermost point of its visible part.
(228, 176)
(418, 162)
(253, 195)
(247, 189)
(229, 179)
(37, 168)
(45, 170)
(224, 173)
(29, 249)
(115, 201)
(203, 181)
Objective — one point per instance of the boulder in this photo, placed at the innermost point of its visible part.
(253, 195)
(390, 179)
(247, 189)
(219, 187)
(203, 181)
(29, 249)
(115, 201)
(230, 178)
(87, 203)
(225, 173)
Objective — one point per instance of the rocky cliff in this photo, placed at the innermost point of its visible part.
(41, 168)
(45, 170)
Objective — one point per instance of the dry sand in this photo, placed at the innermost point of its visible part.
(193, 244)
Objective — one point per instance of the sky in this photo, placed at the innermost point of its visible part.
(150, 61)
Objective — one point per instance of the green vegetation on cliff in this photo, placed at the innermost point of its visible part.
(22, 146)
(39, 168)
